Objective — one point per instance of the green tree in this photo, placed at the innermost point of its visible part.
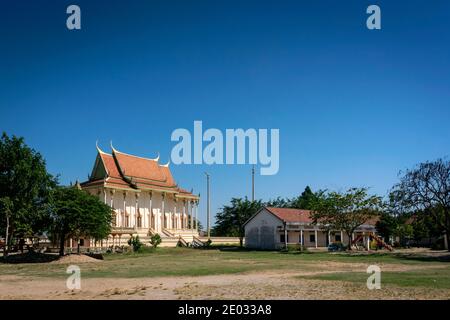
(425, 226)
(230, 220)
(305, 200)
(279, 203)
(76, 213)
(404, 232)
(135, 243)
(344, 211)
(155, 240)
(387, 225)
(426, 189)
(24, 189)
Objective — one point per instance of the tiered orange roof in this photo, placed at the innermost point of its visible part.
(124, 171)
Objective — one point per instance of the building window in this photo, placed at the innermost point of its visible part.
(337, 237)
(81, 242)
(312, 238)
(282, 239)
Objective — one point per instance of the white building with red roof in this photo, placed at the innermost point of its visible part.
(145, 198)
(275, 228)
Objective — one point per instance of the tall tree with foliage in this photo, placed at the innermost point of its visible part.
(76, 213)
(387, 225)
(344, 211)
(426, 189)
(305, 200)
(279, 203)
(230, 220)
(24, 188)
(425, 226)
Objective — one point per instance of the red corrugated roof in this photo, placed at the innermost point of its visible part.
(302, 216)
(291, 215)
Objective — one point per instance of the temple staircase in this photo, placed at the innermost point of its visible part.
(169, 237)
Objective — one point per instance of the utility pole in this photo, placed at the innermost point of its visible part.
(208, 206)
(253, 183)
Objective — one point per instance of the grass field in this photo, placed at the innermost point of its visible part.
(198, 274)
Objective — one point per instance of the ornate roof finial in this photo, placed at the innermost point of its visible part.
(112, 148)
(165, 165)
(98, 148)
(157, 158)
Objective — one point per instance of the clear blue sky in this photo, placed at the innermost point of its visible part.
(353, 106)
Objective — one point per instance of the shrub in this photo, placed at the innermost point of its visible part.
(295, 248)
(155, 240)
(135, 243)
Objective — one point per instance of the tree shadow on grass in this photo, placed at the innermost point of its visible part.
(424, 258)
(29, 257)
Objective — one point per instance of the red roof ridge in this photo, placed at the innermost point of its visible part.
(134, 156)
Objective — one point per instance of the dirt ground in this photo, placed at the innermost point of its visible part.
(261, 285)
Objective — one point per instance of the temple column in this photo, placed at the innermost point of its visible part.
(192, 217)
(329, 237)
(301, 237)
(196, 215)
(150, 215)
(136, 212)
(342, 237)
(143, 218)
(194, 226)
(112, 206)
(175, 218)
(163, 211)
(172, 222)
(184, 215)
(124, 215)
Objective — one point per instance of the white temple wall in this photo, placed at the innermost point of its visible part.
(177, 213)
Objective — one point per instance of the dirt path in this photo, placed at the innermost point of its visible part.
(261, 285)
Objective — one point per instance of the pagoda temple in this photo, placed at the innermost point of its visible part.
(145, 198)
